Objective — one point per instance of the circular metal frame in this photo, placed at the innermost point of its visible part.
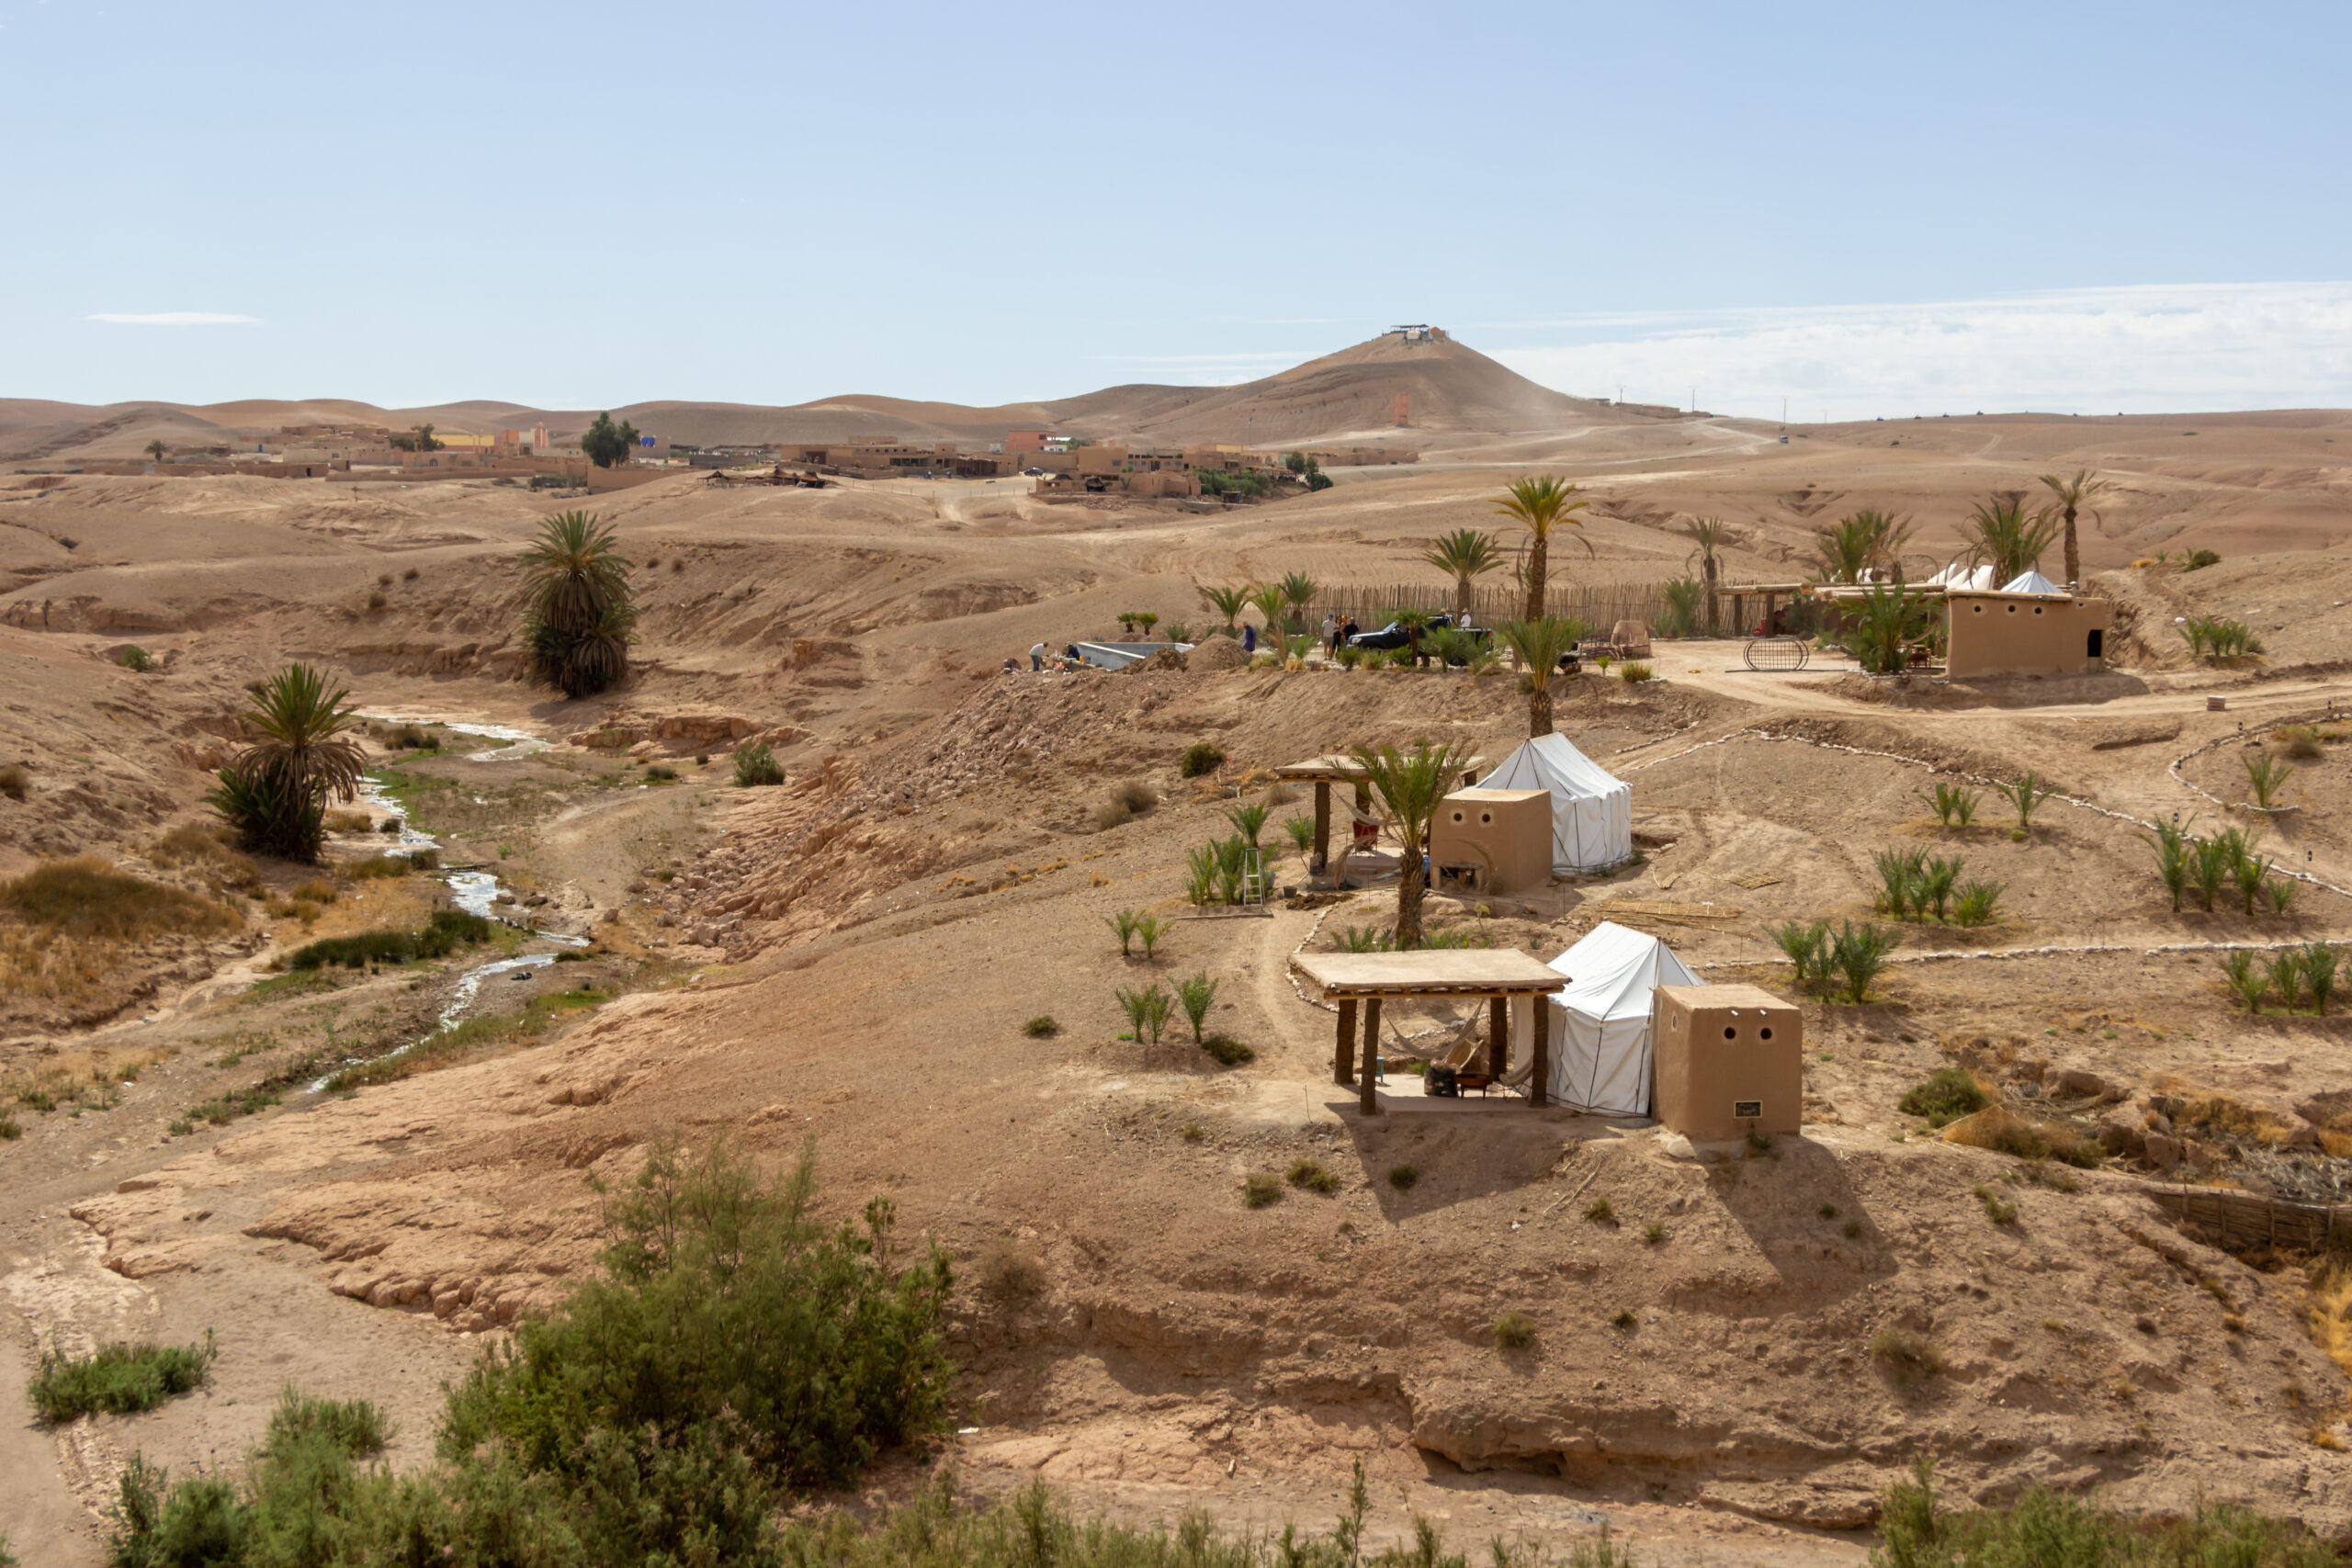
(1775, 655)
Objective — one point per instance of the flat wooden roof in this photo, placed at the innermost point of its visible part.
(1461, 972)
(1337, 768)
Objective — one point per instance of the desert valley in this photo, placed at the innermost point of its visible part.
(835, 867)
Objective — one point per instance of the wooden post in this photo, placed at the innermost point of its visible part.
(1498, 1036)
(1368, 1100)
(1323, 839)
(1343, 1059)
(1541, 1052)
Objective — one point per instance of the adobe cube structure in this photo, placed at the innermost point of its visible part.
(1730, 1061)
(1492, 841)
(1991, 633)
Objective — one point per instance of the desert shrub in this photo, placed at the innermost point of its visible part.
(726, 1309)
(376, 868)
(2005, 1132)
(1349, 656)
(2300, 741)
(118, 1378)
(1601, 1212)
(14, 782)
(1129, 800)
(376, 601)
(1042, 1027)
(353, 1425)
(87, 897)
(1201, 757)
(755, 766)
(2200, 559)
(1634, 672)
(1403, 1177)
(1514, 1331)
(1364, 939)
(1945, 1096)
(10, 1130)
(1309, 1174)
(1978, 905)
(224, 1108)
(136, 660)
(1228, 1051)
(1954, 806)
(1654, 1233)
(1858, 954)
(389, 827)
(1906, 1355)
(1260, 1189)
(1008, 1271)
(662, 776)
(411, 575)
(1999, 1213)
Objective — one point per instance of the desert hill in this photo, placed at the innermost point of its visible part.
(1452, 388)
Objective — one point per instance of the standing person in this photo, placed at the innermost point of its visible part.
(1332, 632)
(1347, 632)
(1036, 657)
(1249, 638)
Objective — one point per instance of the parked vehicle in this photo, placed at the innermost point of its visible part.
(1393, 635)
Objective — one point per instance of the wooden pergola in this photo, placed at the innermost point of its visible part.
(1338, 768)
(1366, 979)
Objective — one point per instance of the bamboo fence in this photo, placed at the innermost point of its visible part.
(2242, 1220)
(1599, 605)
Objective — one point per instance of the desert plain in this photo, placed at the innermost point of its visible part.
(852, 958)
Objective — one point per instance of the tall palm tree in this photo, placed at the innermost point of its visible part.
(2071, 495)
(2011, 538)
(1708, 535)
(1539, 645)
(1298, 593)
(1859, 542)
(158, 449)
(581, 620)
(1268, 599)
(276, 791)
(1465, 554)
(1409, 786)
(1541, 506)
(1226, 601)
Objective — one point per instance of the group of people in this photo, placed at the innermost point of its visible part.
(1070, 656)
(1337, 629)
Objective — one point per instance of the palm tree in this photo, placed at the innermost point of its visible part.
(1414, 622)
(1409, 787)
(1298, 593)
(581, 620)
(1541, 506)
(275, 792)
(1880, 624)
(1465, 554)
(1855, 544)
(1226, 602)
(158, 449)
(1268, 599)
(1539, 645)
(2071, 495)
(1709, 534)
(2011, 537)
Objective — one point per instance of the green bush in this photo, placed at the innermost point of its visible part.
(2200, 559)
(448, 931)
(1514, 1331)
(1201, 757)
(1228, 1051)
(118, 1378)
(1042, 1027)
(2045, 1527)
(1858, 954)
(1947, 1095)
(1309, 1173)
(1403, 1177)
(756, 766)
(136, 660)
(1260, 1189)
(1634, 672)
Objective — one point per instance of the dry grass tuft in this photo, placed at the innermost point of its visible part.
(1908, 1356)
(2002, 1131)
(1008, 1271)
(86, 899)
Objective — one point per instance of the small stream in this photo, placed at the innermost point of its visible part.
(476, 892)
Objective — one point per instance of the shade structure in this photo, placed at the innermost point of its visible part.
(1603, 1063)
(2032, 582)
(1592, 810)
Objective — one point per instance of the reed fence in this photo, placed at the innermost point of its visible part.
(1599, 605)
(2249, 1219)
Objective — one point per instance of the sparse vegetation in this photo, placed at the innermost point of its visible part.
(2267, 775)
(1954, 805)
(1309, 1173)
(1042, 1027)
(1634, 672)
(1654, 1234)
(444, 933)
(2215, 638)
(1601, 1211)
(118, 1378)
(1196, 995)
(1147, 1009)
(1201, 757)
(1946, 1094)
(1403, 1177)
(1008, 1271)
(1228, 1051)
(1514, 1331)
(1129, 800)
(1906, 1355)
(14, 783)
(756, 767)
(1258, 1188)
(88, 898)
(136, 660)
(1999, 1213)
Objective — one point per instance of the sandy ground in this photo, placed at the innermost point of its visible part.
(852, 957)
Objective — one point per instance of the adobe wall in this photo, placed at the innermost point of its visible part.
(2024, 634)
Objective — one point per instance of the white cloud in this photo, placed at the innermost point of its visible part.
(176, 319)
(2140, 350)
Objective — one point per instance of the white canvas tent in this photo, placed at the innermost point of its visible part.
(2031, 582)
(1600, 1044)
(1592, 811)
(1958, 576)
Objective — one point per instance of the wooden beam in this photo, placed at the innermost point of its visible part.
(1368, 1100)
(1343, 1059)
(1541, 1054)
(1322, 826)
(1499, 1037)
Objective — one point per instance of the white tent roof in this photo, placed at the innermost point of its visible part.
(1958, 576)
(1592, 810)
(2031, 582)
(1601, 1024)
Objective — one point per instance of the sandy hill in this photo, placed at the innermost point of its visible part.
(1347, 395)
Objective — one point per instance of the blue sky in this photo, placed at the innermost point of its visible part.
(1867, 209)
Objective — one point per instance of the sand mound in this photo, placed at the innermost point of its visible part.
(1216, 653)
(1166, 658)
